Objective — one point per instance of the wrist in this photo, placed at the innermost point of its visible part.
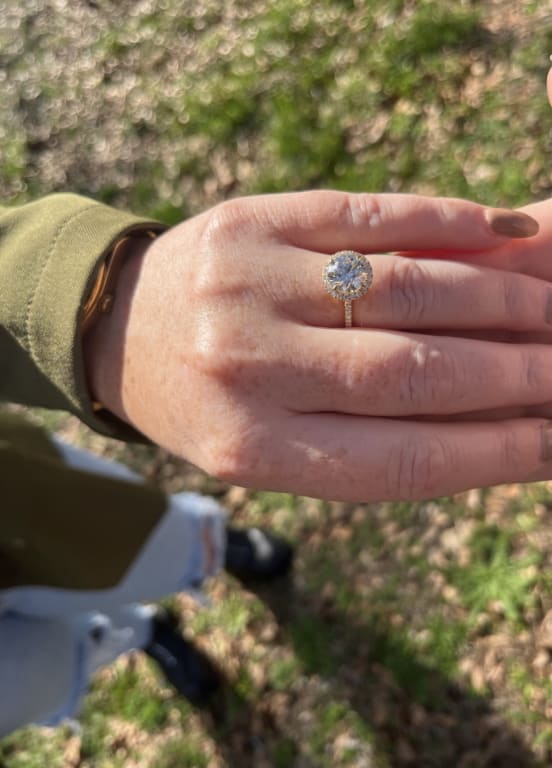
(104, 338)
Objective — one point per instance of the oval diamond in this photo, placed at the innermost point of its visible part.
(348, 275)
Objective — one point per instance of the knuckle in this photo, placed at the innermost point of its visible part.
(347, 368)
(430, 378)
(513, 304)
(225, 459)
(233, 358)
(212, 350)
(411, 294)
(448, 212)
(510, 450)
(229, 356)
(210, 279)
(236, 458)
(225, 221)
(417, 467)
(535, 373)
(362, 209)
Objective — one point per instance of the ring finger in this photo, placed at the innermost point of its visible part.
(417, 294)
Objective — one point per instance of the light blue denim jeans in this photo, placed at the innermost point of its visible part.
(52, 640)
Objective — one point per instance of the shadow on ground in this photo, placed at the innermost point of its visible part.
(425, 721)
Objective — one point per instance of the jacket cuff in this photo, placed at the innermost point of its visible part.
(49, 253)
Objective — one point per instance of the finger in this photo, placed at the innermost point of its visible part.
(351, 459)
(507, 337)
(329, 221)
(384, 373)
(419, 294)
(531, 256)
(541, 411)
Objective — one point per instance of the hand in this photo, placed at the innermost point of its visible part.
(224, 347)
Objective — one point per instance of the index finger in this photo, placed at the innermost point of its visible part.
(530, 256)
(329, 221)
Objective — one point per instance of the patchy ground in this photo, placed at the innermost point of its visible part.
(411, 635)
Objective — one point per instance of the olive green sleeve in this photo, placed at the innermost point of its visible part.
(49, 252)
(85, 536)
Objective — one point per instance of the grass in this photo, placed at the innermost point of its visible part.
(126, 696)
(31, 748)
(495, 576)
(409, 629)
(181, 754)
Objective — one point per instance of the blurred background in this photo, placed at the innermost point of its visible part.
(412, 635)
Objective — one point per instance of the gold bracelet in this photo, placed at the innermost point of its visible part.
(101, 297)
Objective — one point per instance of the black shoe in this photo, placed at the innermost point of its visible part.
(186, 668)
(253, 554)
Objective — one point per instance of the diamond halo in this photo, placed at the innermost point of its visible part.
(348, 275)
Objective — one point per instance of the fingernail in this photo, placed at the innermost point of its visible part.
(511, 223)
(546, 441)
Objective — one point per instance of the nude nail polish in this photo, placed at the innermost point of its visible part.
(511, 223)
(546, 442)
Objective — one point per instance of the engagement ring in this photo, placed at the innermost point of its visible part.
(347, 276)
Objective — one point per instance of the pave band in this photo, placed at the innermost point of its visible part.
(347, 276)
(348, 313)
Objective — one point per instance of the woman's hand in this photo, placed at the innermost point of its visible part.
(225, 348)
